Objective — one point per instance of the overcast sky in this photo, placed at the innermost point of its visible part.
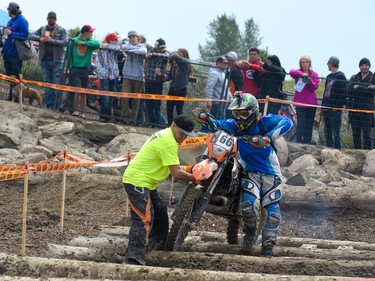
(319, 28)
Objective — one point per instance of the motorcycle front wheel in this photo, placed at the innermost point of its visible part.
(182, 218)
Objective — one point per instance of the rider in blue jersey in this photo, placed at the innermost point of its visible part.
(261, 176)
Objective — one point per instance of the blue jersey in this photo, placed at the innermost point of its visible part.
(258, 159)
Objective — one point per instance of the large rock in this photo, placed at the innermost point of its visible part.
(100, 132)
(369, 166)
(122, 145)
(61, 128)
(336, 160)
(74, 143)
(29, 148)
(8, 156)
(282, 151)
(300, 164)
(16, 129)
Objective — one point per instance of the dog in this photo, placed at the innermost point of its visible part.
(27, 92)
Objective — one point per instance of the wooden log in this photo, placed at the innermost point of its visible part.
(280, 251)
(350, 261)
(106, 230)
(207, 236)
(52, 268)
(105, 243)
(97, 249)
(275, 265)
(18, 278)
(362, 197)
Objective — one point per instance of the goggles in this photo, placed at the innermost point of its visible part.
(241, 114)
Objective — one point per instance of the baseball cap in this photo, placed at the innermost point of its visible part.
(87, 28)
(13, 6)
(161, 43)
(51, 15)
(133, 33)
(334, 60)
(221, 59)
(186, 124)
(111, 36)
(232, 55)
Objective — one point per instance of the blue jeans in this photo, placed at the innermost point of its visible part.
(13, 66)
(153, 106)
(305, 124)
(332, 128)
(141, 112)
(217, 110)
(51, 71)
(107, 101)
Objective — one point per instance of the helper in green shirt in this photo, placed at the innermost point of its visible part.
(155, 161)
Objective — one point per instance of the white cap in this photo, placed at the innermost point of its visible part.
(232, 55)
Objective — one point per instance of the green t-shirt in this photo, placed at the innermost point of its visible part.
(81, 55)
(151, 165)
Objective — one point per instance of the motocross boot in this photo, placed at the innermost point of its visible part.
(249, 239)
(268, 242)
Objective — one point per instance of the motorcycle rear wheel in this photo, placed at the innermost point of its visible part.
(180, 227)
(232, 231)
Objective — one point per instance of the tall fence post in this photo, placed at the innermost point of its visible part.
(20, 96)
(126, 195)
(24, 212)
(266, 106)
(63, 188)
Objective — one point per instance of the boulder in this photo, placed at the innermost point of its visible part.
(369, 166)
(100, 132)
(16, 129)
(301, 163)
(61, 128)
(335, 160)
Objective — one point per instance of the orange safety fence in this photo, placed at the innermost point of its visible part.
(159, 97)
(16, 172)
(317, 106)
(107, 93)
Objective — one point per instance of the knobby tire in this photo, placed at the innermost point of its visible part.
(179, 230)
(232, 231)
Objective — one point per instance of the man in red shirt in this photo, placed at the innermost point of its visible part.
(250, 69)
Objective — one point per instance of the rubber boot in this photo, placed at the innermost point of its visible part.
(249, 239)
(268, 242)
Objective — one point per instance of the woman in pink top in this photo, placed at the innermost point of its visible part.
(307, 82)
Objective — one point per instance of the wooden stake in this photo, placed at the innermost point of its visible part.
(126, 195)
(171, 191)
(24, 212)
(266, 106)
(20, 94)
(63, 188)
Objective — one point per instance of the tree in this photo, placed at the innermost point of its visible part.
(250, 38)
(74, 32)
(225, 36)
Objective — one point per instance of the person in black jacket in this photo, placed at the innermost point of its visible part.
(179, 72)
(335, 94)
(271, 83)
(360, 96)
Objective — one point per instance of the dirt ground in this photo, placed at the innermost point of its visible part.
(96, 200)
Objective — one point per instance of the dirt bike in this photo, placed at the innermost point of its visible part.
(220, 194)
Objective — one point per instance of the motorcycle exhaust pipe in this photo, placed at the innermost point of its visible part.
(220, 205)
